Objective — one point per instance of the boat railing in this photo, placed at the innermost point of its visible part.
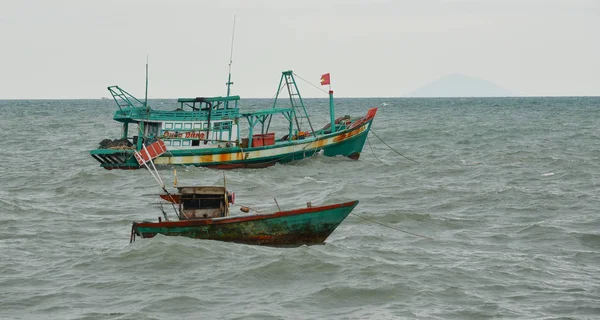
(176, 115)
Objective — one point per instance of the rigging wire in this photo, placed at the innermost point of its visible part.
(310, 83)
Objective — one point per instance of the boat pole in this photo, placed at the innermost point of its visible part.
(331, 110)
(277, 203)
(229, 83)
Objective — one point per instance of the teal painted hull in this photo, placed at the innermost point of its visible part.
(207, 132)
(347, 143)
(304, 226)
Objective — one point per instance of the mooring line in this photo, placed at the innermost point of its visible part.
(384, 225)
(369, 142)
(400, 154)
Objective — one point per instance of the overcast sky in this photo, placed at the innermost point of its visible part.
(75, 49)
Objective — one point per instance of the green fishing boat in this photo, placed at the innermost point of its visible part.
(215, 132)
(203, 213)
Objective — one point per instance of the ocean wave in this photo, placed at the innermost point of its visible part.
(505, 236)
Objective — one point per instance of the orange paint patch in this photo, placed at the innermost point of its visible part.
(353, 133)
(225, 157)
(339, 138)
(348, 135)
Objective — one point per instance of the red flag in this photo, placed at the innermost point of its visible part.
(325, 79)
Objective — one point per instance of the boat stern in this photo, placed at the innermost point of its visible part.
(115, 159)
(136, 232)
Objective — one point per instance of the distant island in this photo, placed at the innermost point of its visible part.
(458, 85)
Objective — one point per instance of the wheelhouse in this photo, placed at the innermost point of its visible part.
(203, 202)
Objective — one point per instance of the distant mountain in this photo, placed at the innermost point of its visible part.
(458, 85)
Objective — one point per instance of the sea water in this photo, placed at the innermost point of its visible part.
(506, 190)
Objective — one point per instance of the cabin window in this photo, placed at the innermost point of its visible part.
(205, 125)
(178, 125)
(196, 203)
(186, 143)
(167, 143)
(176, 143)
(195, 143)
(151, 128)
(197, 125)
(187, 126)
(226, 125)
(168, 125)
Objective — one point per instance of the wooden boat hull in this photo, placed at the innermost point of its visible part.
(348, 143)
(306, 226)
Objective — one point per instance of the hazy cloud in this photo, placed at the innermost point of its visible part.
(74, 49)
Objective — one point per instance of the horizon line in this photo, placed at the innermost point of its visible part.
(348, 97)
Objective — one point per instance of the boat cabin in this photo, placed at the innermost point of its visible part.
(201, 122)
(203, 202)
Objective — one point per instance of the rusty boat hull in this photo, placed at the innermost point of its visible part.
(305, 226)
(348, 142)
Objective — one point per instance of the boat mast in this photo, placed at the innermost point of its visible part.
(146, 95)
(331, 110)
(229, 83)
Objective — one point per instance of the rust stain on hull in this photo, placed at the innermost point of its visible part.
(261, 158)
(354, 156)
(304, 226)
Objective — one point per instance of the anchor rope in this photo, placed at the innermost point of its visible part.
(400, 154)
(369, 142)
(394, 228)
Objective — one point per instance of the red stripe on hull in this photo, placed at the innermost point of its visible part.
(187, 223)
(241, 165)
(121, 168)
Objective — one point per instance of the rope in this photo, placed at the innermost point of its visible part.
(162, 184)
(156, 177)
(400, 154)
(369, 142)
(384, 225)
(310, 83)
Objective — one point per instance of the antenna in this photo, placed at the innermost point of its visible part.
(229, 83)
(146, 95)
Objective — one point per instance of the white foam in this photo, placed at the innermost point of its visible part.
(548, 174)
